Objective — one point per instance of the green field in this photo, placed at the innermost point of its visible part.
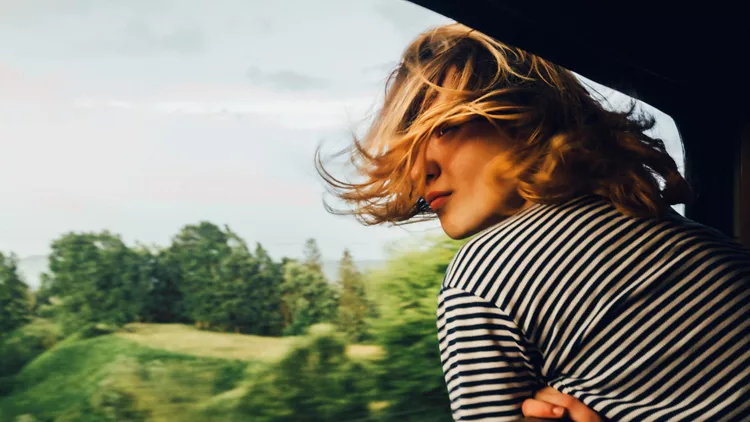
(153, 372)
(185, 339)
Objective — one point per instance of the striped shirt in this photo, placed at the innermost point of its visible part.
(641, 319)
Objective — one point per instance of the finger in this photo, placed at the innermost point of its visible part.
(575, 409)
(541, 409)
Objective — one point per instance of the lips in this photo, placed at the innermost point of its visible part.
(438, 202)
(437, 198)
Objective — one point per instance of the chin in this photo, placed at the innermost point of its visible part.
(456, 232)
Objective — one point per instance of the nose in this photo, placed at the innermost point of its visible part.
(426, 165)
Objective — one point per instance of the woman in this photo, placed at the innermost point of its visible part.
(581, 291)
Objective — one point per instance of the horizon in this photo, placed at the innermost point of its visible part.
(30, 268)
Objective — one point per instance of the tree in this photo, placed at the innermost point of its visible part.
(306, 295)
(308, 298)
(164, 301)
(223, 284)
(15, 297)
(97, 278)
(285, 291)
(238, 308)
(406, 292)
(196, 253)
(267, 291)
(353, 304)
(313, 257)
(315, 382)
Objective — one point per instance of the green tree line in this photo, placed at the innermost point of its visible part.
(207, 276)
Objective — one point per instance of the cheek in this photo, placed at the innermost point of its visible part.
(489, 174)
(469, 165)
(501, 167)
(481, 162)
(480, 190)
(495, 184)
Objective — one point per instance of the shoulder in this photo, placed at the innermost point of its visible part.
(588, 230)
(464, 311)
(492, 248)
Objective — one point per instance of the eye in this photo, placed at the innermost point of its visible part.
(445, 129)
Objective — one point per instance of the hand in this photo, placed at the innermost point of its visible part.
(547, 399)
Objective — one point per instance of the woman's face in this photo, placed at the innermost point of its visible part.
(456, 161)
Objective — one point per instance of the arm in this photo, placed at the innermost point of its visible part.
(488, 366)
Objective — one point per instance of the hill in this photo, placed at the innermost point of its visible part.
(87, 380)
(155, 372)
(181, 338)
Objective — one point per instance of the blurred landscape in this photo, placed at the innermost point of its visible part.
(209, 328)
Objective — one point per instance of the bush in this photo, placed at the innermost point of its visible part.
(228, 377)
(6, 385)
(16, 351)
(21, 347)
(316, 382)
(92, 330)
(49, 311)
(410, 376)
(87, 331)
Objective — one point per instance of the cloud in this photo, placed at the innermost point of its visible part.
(265, 24)
(19, 87)
(58, 201)
(229, 187)
(291, 112)
(138, 38)
(286, 80)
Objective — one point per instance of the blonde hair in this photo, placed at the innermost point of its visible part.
(569, 144)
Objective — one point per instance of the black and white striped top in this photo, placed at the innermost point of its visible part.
(641, 319)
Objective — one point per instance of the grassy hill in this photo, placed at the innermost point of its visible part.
(185, 339)
(88, 380)
(154, 372)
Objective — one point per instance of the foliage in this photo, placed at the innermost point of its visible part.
(315, 382)
(164, 300)
(313, 259)
(98, 278)
(196, 253)
(354, 306)
(15, 298)
(209, 276)
(22, 346)
(266, 294)
(410, 376)
(222, 284)
(308, 298)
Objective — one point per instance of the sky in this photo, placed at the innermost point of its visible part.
(143, 116)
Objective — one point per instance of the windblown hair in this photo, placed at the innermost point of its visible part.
(568, 143)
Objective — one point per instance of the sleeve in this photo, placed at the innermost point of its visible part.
(488, 367)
